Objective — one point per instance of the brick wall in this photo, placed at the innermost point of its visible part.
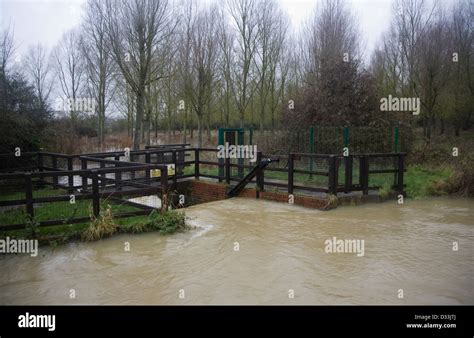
(305, 201)
(202, 192)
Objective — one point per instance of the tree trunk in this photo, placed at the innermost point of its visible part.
(138, 121)
(199, 130)
(185, 131)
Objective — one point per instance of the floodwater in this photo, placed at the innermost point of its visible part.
(246, 251)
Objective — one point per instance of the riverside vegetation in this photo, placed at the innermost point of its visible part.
(103, 226)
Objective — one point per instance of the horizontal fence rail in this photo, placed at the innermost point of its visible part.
(41, 178)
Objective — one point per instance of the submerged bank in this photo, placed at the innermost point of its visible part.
(281, 247)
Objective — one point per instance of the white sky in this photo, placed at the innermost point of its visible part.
(44, 21)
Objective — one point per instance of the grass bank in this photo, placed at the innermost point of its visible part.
(102, 227)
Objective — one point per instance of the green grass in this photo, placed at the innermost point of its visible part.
(62, 210)
(47, 191)
(420, 180)
(58, 211)
(167, 223)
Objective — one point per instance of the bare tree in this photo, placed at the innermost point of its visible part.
(134, 30)
(244, 15)
(226, 42)
(69, 67)
(432, 70)
(37, 65)
(411, 19)
(203, 56)
(461, 91)
(98, 61)
(272, 27)
(7, 49)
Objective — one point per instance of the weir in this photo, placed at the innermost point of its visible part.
(141, 181)
(254, 172)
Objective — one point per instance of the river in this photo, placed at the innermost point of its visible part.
(246, 251)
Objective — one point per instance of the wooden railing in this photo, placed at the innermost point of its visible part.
(133, 177)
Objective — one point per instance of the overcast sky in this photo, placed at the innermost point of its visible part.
(44, 21)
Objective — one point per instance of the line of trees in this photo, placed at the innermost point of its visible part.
(167, 65)
(428, 53)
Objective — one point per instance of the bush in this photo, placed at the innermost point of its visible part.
(100, 227)
(166, 222)
(462, 181)
(385, 190)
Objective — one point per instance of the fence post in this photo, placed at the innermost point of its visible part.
(55, 166)
(147, 172)
(132, 173)
(332, 186)
(364, 174)
(348, 173)
(240, 160)
(95, 194)
(291, 164)
(395, 139)
(196, 164)
(401, 168)
(227, 170)
(118, 174)
(181, 157)
(84, 177)
(260, 174)
(164, 188)
(173, 159)
(40, 161)
(29, 195)
(70, 178)
(40, 166)
(103, 175)
(395, 150)
(221, 160)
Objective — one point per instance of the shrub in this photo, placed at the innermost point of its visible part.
(100, 227)
(166, 222)
(385, 190)
(462, 181)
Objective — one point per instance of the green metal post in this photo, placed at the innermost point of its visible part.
(396, 150)
(240, 161)
(318, 138)
(395, 139)
(221, 160)
(311, 149)
(346, 136)
(347, 167)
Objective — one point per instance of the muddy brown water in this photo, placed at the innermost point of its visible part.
(281, 248)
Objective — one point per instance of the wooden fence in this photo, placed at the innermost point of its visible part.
(114, 174)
